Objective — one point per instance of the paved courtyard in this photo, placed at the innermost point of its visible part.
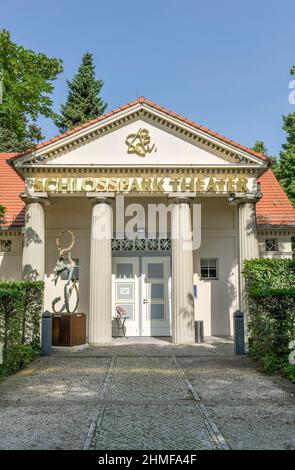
(146, 394)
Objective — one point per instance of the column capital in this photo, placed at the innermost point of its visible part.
(40, 198)
(99, 198)
(243, 198)
(181, 198)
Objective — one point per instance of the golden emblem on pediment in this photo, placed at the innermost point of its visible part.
(140, 143)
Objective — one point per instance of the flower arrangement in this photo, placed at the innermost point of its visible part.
(120, 311)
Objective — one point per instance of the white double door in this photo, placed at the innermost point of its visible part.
(142, 287)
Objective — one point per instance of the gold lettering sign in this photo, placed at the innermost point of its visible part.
(139, 143)
(199, 184)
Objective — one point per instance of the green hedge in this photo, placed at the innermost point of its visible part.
(270, 285)
(272, 273)
(20, 314)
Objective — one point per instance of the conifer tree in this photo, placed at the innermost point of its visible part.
(260, 147)
(83, 101)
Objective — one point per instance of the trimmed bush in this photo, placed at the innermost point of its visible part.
(20, 315)
(272, 273)
(270, 285)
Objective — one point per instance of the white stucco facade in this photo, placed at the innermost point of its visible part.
(80, 182)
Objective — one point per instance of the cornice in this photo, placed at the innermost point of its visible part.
(160, 170)
(87, 135)
(283, 230)
(4, 232)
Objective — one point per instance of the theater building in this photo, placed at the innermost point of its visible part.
(164, 212)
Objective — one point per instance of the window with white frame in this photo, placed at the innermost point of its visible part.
(5, 246)
(271, 244)
(209, 268)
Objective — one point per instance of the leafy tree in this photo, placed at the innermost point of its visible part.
(26, 85)
(83, 102)
(2, 211)
(285, 169)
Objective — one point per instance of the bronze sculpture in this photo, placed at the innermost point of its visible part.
(65, 264)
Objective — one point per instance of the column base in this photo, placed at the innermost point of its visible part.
(80, 347)
(106, 343)
(185, 343)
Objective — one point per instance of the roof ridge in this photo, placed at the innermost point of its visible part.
(143, 100)
(272, 190)
(206, 129)
(275, 190)
(276, 193)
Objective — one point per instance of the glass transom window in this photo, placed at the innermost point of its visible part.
(271, 244)
(209, 268)
(124, 270)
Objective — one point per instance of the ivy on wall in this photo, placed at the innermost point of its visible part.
(20, 315)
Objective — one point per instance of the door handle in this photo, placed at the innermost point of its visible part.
(146, 301)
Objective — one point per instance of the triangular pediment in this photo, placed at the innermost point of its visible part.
(140, 135)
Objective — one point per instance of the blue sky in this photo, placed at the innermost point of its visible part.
(224, 64)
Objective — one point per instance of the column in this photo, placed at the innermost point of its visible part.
(100, 318)
(182, 272)
(33, 255)
(248, 243)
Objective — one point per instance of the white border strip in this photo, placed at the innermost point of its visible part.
(211, 426)
(98, 415)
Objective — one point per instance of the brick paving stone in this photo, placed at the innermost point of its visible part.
(147, 378)
(153, 427)
(149, 404)
(74, 400)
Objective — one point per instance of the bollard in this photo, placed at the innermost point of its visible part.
(46, 334)
(239, 332)
(1, 353)
(199, 331)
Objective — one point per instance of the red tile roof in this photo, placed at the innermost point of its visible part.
(142, 99)
(274, 208)
(11, 185)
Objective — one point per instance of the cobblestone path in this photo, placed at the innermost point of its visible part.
(148, 404)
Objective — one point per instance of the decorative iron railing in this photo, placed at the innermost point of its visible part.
(144, 244)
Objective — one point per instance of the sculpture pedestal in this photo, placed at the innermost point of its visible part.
(69, 329)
